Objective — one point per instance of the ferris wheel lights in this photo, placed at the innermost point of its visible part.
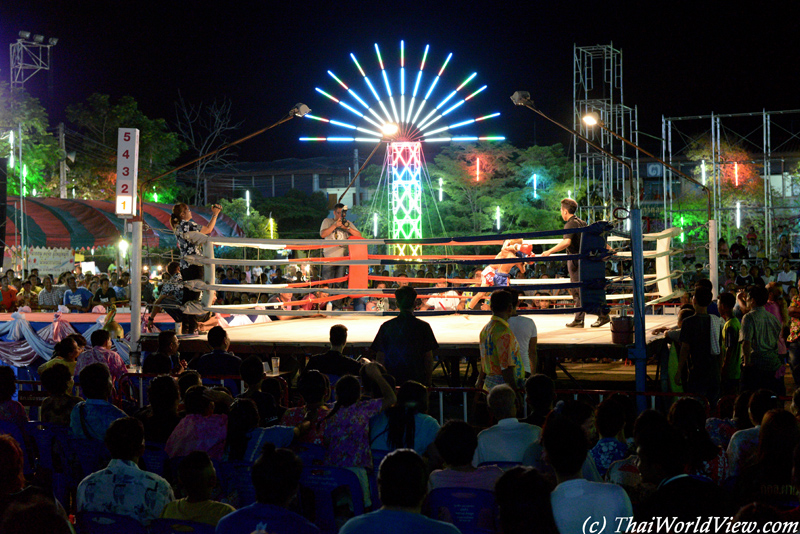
(390, 129)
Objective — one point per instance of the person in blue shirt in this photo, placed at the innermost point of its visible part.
(92, 417)
(402, 485)
(77, 299)
(276, 478)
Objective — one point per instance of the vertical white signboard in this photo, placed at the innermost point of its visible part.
(127, 170)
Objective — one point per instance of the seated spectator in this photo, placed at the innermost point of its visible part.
(611, 446)
(522, 494)
(91, 418)
(66, 353)
(218, 362)
(347, 424)
(456, 442)
(625, 472)
(188, 379)
(663, 459)
(407, 424)
(160, 417)
(275, 388)
(245, 438)
(794, 514)
(313, 386)
(145, 494)
(101, 353)
(276, 479)
(574, 498)
(252, 373)
(744, 443)
(769, 479)
(200, 429)
(721, 428)
(37, 516)
(59, 403)
(334, 362)
(198, 477)
(14, 491)
(541, 397)
(167, 360)
(402, 485)
(705, 458)
(509, 438)
(10, 410)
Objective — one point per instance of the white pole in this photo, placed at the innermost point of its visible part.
(136, 290)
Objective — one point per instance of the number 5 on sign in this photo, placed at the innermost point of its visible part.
(127, 171)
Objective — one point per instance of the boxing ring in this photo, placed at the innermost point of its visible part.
(456, 332)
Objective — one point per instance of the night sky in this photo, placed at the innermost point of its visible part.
(680, 58)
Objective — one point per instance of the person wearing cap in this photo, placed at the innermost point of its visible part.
(336, 228)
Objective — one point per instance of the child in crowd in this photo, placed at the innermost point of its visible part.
(315, 390)
(610, 421)
(731, 364)
(198, 478)
(58, 405)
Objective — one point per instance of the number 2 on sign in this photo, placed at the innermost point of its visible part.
(124, 188)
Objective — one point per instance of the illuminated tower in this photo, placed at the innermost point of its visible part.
(405, 194)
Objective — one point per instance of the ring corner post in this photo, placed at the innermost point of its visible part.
(208, 272)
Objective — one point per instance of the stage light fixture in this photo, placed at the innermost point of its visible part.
(52, 41)
(25, 35)
(300, 110)
(520, 98)
(38, 39)
(592, 119)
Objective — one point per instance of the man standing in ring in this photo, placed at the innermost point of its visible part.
(338, 228)
(572, 243)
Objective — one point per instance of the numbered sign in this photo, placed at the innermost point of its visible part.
(127, 171)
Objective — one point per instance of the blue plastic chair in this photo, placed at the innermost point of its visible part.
(311, 454)
(180, 526)
(377, 457)
(155, 459)
(53, 462)
(505, 466)
(327, 488)
(473, 511)
(237, 483)
(103, 523)
(87, 456)
(7, 427)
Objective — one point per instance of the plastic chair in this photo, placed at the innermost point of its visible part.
(180, 526)
(53, 463)
(236, 483)
(7, 427)
(87, 456)
(155, 459)
(473, 511)
(311, 454)
(327, 489)
(103, 523)
(377, 457)
(332, 379)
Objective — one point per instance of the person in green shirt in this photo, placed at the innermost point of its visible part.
(198, 477)
(731, 362)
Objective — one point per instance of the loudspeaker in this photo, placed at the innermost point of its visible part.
(3, 206)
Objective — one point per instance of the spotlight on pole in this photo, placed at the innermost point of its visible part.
(300, 109)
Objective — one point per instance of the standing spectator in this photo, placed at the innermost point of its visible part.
(148, 290)
(276, 478)
(525, 331)
(334, 362)
(405, 344)
(122, 488)
(101, 353)
(738, 250)
(759, 336)
(793, 339)
(402, 486)
(787, 277)
(500, 353)
(9, 295)
(197, 475)
(508, 440)
(336, 228)
(731, 368)
(784, 250)
(576, 499)
(698, 365)
(49, 296)
(722, 249)
(752, 247)
(91, 418)
(218, 362)
(77, 299)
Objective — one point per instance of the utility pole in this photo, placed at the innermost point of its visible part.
(62, 164)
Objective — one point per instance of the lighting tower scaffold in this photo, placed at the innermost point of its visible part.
(417, 116)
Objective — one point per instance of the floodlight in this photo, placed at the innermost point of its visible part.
(592, 119)
(38, 38)
(25, 35)
(520, 98)
(300, 110)
(390, 129)
(123, 247)
(52, 41)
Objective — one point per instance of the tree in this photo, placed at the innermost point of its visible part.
(298, 213)
(203, 130)
(19, 111)
(99, 118)
(255, 226)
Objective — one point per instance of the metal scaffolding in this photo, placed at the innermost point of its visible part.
(750, 131)
(597, 86)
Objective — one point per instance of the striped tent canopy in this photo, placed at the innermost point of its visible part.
(83, 224)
